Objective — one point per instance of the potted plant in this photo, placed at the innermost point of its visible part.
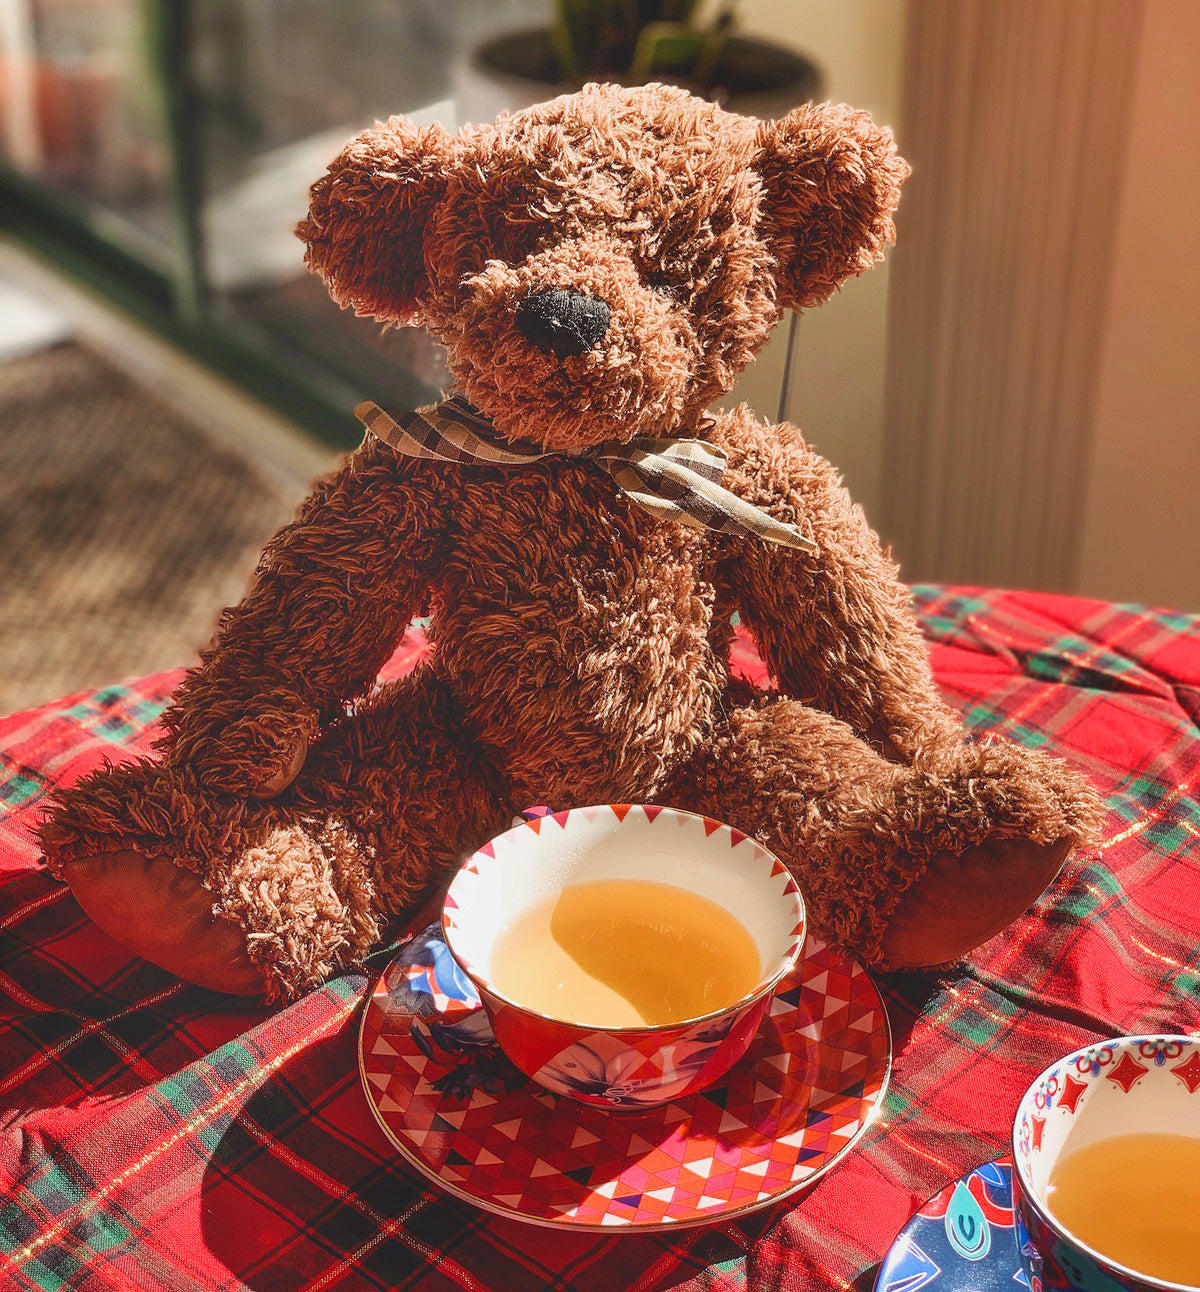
(632, 42)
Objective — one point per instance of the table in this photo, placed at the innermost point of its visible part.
(155, 1135)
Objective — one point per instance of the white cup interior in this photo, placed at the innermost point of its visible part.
(591, 844)
(1157, 1103)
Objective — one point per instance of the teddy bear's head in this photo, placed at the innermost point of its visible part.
(606, 264)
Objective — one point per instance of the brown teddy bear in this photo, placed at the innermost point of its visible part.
(600, 268)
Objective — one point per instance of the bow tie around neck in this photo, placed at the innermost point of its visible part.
(672, 479)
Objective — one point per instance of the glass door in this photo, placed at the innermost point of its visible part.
(162, 150)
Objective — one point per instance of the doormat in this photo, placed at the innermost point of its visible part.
(124, 528)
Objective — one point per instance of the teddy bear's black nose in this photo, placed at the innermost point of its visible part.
(562, 322)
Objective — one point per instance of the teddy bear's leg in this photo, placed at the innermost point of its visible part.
(388, 804)
(132, 843)
(412, 786)
(861, 832)
(378, 815)
(1024, 811)
(233, 894)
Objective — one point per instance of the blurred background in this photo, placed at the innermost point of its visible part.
(1012, 397)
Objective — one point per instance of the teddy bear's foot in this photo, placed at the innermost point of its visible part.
(286, 913)
(1020, 814)
(902, 865)
(232, 894)
(220, 888)
(129, 840)
(279, 919)
(162, 912)
(960, 901)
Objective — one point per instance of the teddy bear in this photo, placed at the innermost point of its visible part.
(600, 268)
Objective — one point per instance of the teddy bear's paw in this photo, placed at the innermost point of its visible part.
(259, 754)
(162, 912)
(305, 902)
(960, 900)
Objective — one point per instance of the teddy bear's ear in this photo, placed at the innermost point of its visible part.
(367, 215)
(832, 180)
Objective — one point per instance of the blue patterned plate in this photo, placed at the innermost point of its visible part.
(960, 1241)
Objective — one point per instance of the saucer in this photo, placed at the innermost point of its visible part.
(962, 1239)
(457, 1109)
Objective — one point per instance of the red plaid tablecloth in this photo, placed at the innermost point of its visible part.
(157, 1136)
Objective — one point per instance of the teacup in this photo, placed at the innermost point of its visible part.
(624, 1067)
(1133, 1085)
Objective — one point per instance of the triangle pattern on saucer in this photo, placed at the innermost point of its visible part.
(801, 1097)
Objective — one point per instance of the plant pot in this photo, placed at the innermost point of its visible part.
(516, 69)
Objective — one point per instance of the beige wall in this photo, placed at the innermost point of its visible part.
(1141, 523)
(1133, 528)
(839, 360)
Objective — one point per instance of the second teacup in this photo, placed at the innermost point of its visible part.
(722, 909)
(1106, 1168)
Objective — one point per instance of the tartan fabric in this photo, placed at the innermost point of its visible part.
(157, 1136)
(672, 479)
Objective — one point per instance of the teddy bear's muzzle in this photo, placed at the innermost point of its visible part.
(562, 322)
(570, 347)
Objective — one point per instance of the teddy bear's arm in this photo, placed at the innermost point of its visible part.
(835, 629)
(331, 597)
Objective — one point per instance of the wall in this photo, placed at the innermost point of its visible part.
(1043, 331)
(1040, 421)
(838, 364)
(1141, 519)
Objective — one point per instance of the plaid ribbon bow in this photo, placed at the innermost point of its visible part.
(672, 479)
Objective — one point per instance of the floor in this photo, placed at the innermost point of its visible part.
(126, 524)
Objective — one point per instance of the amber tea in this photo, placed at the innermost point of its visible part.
(625, 953)
(1135, 1199)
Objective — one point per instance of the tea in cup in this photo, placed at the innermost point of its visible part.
(1106, 1168)
(626, 955)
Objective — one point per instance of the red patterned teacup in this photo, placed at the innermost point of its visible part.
(1131, 1085)
(623, 1067)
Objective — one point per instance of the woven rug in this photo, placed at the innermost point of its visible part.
(124, 529)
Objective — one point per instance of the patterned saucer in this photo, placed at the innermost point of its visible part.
(962, 1239)
(454, 1106)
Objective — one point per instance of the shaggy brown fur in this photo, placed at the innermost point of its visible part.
(582, 647)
